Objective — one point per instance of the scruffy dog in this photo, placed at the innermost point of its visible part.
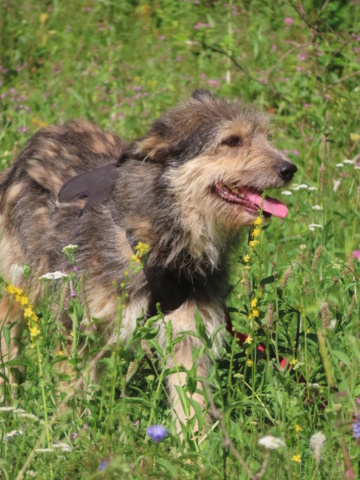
(185, 189)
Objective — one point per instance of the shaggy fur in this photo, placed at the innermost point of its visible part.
(162, 193)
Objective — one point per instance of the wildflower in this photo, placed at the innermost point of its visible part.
(43, 18)
(253, 243)
(9, 437)
(300, 187)
(336, 184)
(339, 165)
(258, 221)
(293, 361)
(53, 276)
(288, 21)
(249, 340)
(356, 428)
(135, 258)
(60, 353)
(62, 446)
(354, 137)
(296, 458)
(16, 272)
(256, 232)
(298, 428)
(44, 450)
(34, 331)
(286, 192)
(246, 258)
(356, 254)
(270, 315)
(287, 275)
(253, 303)
(31, 416)
(312, 189)
(317, 207)
(272, 443)
(249, 363)
(103, 465)
(73, 436)
(142, 248)
(157, 433)
(255, 312)
(7, 409)
(317, 441)
(325, 315)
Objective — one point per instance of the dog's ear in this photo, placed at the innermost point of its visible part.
(153, 147)
(202, 95)
(96, 185)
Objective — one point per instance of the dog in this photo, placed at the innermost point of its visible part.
(184, 189)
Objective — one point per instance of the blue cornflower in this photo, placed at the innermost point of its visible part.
(356, 428)
(157, 433)
(103, 465)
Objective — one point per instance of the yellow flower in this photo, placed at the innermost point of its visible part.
(246, 258)
(300, 309)
(251, 315)
(296, 458)
(22, 299)
(142, 248)
(354, 137)
(43, 18)
(255, 312)
(256, 232)
(258, 221)
(253, 243)
(293, 361)
(249, 363)
(60, 353)
(134, 258)
(28, 312)
(298, 428)
(34, 331)
(308, 330)
(146, 10)
(249, 340)
(253, 303)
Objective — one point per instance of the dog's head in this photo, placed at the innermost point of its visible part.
(218, 159)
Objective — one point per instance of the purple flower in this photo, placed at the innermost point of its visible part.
(289, 21)
(356, 254)
(157, 433)
(75, 268)
(73, 436)
(356, 428)
(103, 465)
(296, 152)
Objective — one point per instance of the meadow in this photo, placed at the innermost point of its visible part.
(295, 293)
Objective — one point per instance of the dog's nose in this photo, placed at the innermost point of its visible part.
(286, 170)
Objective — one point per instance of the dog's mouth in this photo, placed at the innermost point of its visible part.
(251, 199)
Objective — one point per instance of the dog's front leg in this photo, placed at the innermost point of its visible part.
(183, 319)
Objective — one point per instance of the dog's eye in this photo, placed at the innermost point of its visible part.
(269, 137)
(233, 141)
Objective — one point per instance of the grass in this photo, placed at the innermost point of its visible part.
(121, 64)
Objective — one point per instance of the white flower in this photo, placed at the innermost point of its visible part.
(53, 276)
(286, 192)
(11, 435)
(351, 162)
(7, 409)
(44, 450)
(312, 189)
(19, 410)
(272, 443)
(16, 272)
(312, 226)
(28, 415)
(336, 184)
(332, 325)
(339, 165)
(299, 187)
(314, 386)
(31, 473)
(317, 207)
(317, 441)
(63, 446)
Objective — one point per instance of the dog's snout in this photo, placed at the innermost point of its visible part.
(286, 170)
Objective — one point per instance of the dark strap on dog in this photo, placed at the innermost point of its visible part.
(96, 185)
(166, 287)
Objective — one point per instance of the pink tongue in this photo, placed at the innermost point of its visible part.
(270, 205)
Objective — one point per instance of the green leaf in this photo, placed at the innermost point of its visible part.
(342, 357)
(267, 280)
(167, 465)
